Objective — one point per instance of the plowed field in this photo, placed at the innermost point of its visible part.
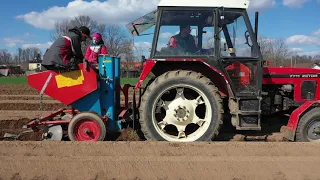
(29, 159)
(158, 160)
(20, 103)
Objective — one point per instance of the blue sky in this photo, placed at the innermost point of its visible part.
(29, 23)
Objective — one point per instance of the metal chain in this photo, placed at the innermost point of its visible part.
(42, 92)
(40, 109)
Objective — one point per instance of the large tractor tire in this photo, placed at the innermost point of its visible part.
(87, 127)
(181, 106)
(308, 129)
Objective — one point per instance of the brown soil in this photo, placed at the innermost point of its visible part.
(17, 89)
(15, 127)
(146, 160)
(19, 114)
(37, 97)
(24, 89)
(23, 97)
(158, 160)
(31, 106)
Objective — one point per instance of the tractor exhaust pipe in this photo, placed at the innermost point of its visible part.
(256, 24)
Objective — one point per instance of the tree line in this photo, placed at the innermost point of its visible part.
(21, 55)
(120, 44)
(279, 54)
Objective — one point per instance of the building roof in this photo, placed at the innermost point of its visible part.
(243, 4)
(36, 61)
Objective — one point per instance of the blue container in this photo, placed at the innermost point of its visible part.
(107, 89)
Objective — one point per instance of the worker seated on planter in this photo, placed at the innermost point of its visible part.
(65, 53)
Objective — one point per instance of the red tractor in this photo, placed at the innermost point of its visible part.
(217, 70)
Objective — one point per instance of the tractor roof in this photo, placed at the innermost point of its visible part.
(147, 21)
(244, 4)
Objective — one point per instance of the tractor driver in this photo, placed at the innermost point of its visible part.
(184, 40)
(65, 53)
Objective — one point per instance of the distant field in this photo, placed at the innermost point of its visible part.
(13, 80)
(23, 80)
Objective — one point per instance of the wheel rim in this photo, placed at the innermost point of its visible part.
(313, 131)
(187, 112)
(86, 130)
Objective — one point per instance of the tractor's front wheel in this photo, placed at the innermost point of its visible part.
(181, 106)
(308, 129)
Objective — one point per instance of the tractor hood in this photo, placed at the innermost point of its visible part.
(290, 72)
(138, 26)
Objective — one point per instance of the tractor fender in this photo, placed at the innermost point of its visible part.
(150, 64)
(292, 125)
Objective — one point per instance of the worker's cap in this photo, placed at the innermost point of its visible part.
(85, 30)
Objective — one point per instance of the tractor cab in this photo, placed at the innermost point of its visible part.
(194, 40)
(220, 33)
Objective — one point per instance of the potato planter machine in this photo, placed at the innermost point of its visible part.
(94, 98)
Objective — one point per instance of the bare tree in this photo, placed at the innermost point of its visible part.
(317, 58)
(62, 28)
(35, 52)
(274, 50)
(16, 59)
(117, 42)
(5, 56)
(19, 55)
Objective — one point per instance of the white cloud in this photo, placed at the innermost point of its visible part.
(303, 40)
(166, 35)
(311, 53)
(142, 45)
(297, 50)
(11, 44)
(161, 45)
(108, 12)
(27, 35)
(317, 33)
(39, 45)
(12, 40)
(260, 5)
(294, 3)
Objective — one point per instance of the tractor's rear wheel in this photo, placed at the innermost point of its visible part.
(181, 106)
(86, 127)
(308, 129)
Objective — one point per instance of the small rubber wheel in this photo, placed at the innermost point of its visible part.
(86, 127)
(308, 129)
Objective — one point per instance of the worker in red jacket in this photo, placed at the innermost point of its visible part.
(65, 53)
(96, 47)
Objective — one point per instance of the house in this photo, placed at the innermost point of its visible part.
(308, 65)
(8, 70)
(131, 69)
(4, 70)
(35, 65)
(316, 66)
